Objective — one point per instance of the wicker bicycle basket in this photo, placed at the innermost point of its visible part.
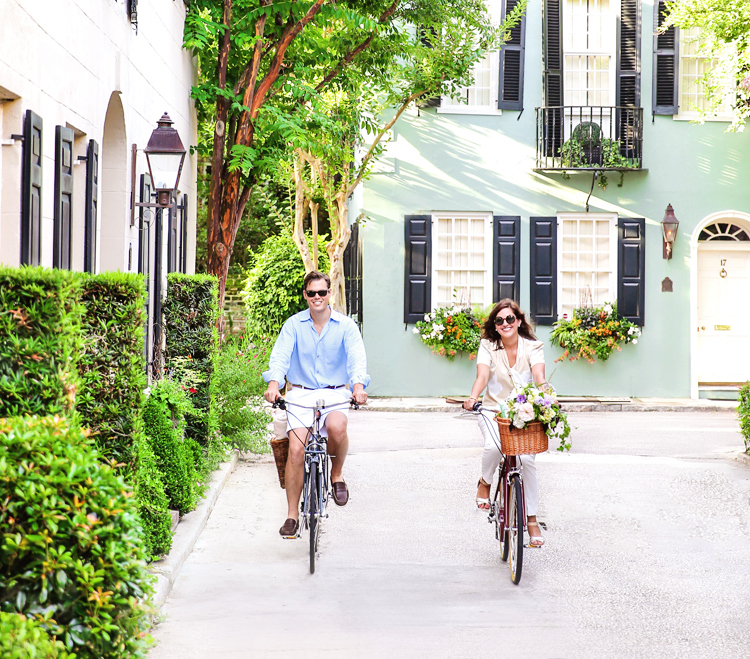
(280, 448)
(524, 441)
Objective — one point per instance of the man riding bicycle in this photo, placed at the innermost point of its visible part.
(321, 354)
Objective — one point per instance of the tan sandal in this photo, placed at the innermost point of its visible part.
(482, 504)
(535, 540)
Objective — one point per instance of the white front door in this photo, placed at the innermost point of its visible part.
(723, 313)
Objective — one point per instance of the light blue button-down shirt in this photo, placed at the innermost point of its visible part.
(334, 357)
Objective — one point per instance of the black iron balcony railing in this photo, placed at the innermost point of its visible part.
(580, 137)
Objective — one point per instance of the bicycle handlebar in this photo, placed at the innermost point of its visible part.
(281, 404)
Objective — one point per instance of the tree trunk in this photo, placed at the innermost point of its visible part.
(301, 202)
(335, 248)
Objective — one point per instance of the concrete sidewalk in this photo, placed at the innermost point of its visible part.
(569, 404)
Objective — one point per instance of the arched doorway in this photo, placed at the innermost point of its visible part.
(721, 277)
(113, 192)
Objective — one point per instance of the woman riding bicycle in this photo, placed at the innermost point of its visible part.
(509, 356)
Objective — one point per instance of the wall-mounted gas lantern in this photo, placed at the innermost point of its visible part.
(669, 227)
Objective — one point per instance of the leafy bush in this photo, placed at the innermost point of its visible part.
(70, 545)
(164, 420)
(593, 332)
(112, 364)
(25, 638)
(743, 410)
(449, 330)
(39, 340)
(190, 315)
(152, 502)
(273, 289)
(239, 385)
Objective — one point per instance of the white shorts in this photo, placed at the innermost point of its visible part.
(299, 417)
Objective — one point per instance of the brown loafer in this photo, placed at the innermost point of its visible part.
(289, 528)
(340, 493)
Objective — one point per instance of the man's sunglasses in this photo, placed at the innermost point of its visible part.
(312, 294)
(508, 319)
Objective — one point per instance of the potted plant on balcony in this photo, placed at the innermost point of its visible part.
(589, 135)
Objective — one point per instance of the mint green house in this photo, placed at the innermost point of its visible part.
(501, 196)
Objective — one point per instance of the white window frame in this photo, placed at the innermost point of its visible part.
(689, 114)
(488, 254)
(612, 217)
(451, 106)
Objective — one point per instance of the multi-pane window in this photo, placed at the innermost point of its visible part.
(482, 95)
(694, 66)
(462, 259)
(587, 260)
(589, 49)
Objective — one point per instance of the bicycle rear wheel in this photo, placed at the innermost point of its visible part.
(515, 528)
(313, 502)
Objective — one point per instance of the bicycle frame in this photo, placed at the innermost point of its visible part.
(316, 457)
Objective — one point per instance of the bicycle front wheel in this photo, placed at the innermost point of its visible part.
(501, 521)
(314, 510)
(515, 528)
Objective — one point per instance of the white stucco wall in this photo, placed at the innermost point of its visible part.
(70, 61)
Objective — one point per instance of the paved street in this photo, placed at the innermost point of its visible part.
(647, 553)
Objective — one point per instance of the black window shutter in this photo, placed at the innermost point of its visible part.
(553, 76)
(631, 266)
(506, 257)
(543, 264)
(92, 203)
(144, 227)
(666, 63)
(31, 193)
(63, 197)
(510, 96)
(426, 36)
(418, 267)
(628, 54)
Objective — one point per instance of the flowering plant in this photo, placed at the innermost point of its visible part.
(532, 403)
(593, 332)
(449, 330)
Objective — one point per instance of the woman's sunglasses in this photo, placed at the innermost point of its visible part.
(312, 294)
(508, 319)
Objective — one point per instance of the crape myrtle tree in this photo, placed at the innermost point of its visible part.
(269, 67)
(724, 37)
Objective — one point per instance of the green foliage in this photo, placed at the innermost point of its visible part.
(273, 289)
(152, 502)
(25, 638)
(70, 545)
(39, 340)
(576, 153)
(190, 315)
(448, 330)
(112, 364)
(593, 332)
(743, 411)
(239, 386)
(164, 421)
(724, 40)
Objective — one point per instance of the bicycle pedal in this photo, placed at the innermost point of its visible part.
(527, 546)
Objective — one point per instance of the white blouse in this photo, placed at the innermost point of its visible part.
(503, 377)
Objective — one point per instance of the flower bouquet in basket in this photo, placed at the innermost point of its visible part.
(528, 417)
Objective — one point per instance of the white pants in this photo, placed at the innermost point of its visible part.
(299, 417)
(491, 461)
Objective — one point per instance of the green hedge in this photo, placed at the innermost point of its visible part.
(190, 314)
(24, 638)
(743, 410)
(164, 420)
(39, 340)
(152, 502)
(70, 545)
(112, 365)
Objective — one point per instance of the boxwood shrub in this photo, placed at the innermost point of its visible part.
(39, 340)
(25, 638)
(164, 420)
(70, 545)
(190, 314)
(112, 365)
(743, 411)
(152, 502)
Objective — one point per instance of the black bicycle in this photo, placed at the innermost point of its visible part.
(316, 487)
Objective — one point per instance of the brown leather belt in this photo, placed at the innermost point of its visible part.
(299, 386)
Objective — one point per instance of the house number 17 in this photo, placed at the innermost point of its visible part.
(722, 272)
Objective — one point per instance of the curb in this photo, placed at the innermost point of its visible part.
(742, 457)
(190, 527)
(567, 407)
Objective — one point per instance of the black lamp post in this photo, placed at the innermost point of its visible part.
(669, 227)
(165, 155)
